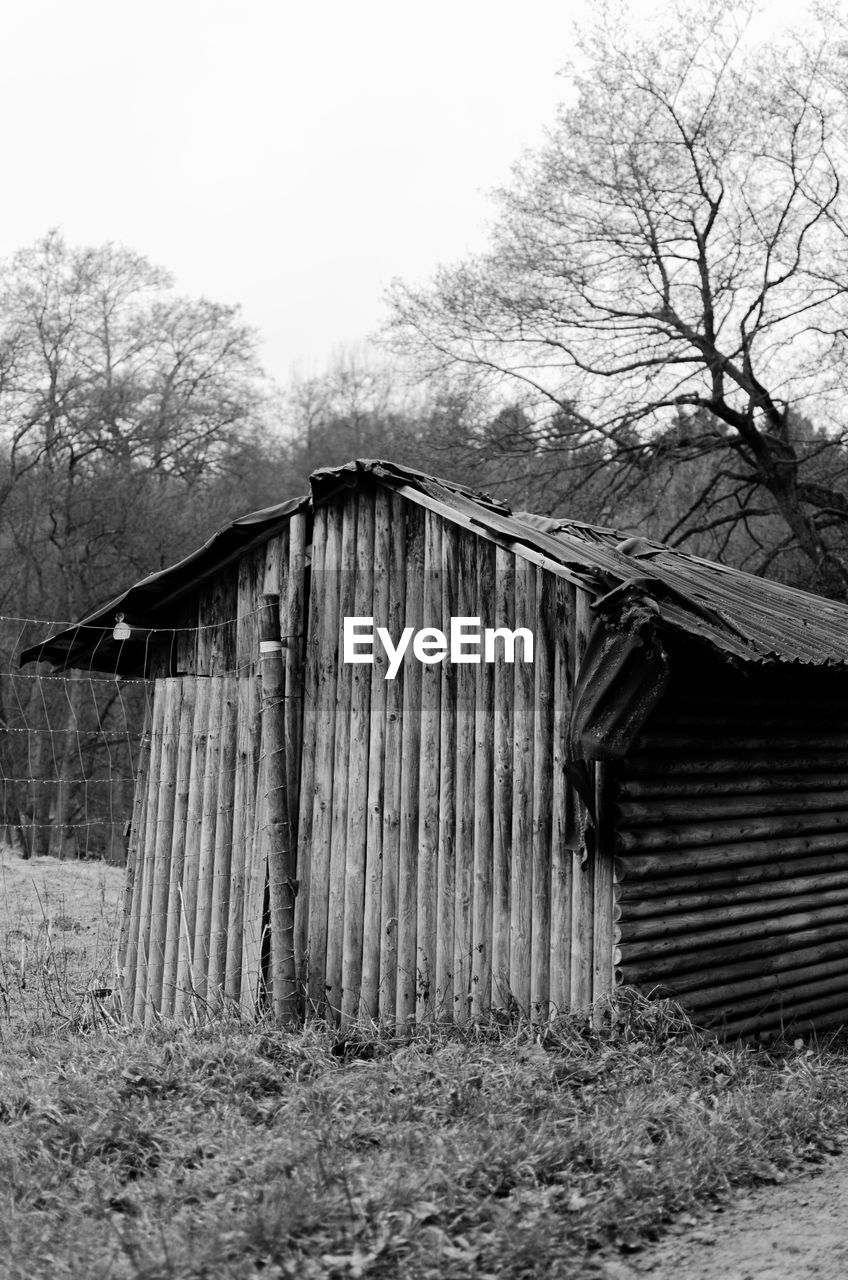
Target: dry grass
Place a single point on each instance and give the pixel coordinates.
(248, 1153)
(58, 934)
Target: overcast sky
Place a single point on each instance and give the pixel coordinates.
(290, 157)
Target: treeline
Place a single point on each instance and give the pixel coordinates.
(136, 422)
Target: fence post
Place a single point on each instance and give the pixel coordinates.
(282, 886)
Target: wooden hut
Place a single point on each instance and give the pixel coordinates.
(658, 797)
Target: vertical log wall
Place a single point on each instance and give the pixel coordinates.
(732, 853)
(196, 927)
(442, 859)
(439, 841)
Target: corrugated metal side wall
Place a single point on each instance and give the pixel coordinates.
(731, 869)
(439, 854)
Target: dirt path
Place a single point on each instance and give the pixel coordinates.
(790, 1232)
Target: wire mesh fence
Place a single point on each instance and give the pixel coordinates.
(69, 751)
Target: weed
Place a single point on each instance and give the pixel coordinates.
(500, 1148)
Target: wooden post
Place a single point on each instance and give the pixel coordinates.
(407, 980)
(357, 803)
(206, 852)
(583, 857)
(392, 775)
(216, 978)
(503, 745)
(191, 864)
(162, 850)
(311, 659)
(341, 767)
(128, 946)
(282, 886)
(370, 991)
(484, 717)
(540, 962)
(465, 744)
(446, 894)
(428, 785)
(521, 885)
(244, 795)
(295, 625)
(562, 811)
(327, 626)
(142, 932)
(174, 930)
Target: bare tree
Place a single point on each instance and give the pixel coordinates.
(677, 252)
(127, 416)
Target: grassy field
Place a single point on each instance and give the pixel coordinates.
(248, 1152)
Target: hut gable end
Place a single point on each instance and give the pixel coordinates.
(660, 797)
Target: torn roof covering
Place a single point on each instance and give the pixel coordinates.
(742, 618)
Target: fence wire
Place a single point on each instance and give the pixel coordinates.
(69, 751)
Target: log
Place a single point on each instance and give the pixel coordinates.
(175, 927)
(256, 977)
(521, 880)
(465, 743)
(220, 627)
(562, 806)
(162, 850)
(392, 771)
(206, 852)
(191, 863)
(326, 623)
(718, 975)
(128, 944)
(272, 579)
(691, 740)
(743, 913)
(762, 879)
(149, 860)
(635, 814)
(256, 954)
(294, 655)
(583, 859)
(484, 766)
(428, 781)
(357, 804)
(540, 960)
(748, 899)
(744, 853)
(282, 885)
(244, 794)
(269, 579)
(723, 785)
(653, 765)
(504, 692)
(639, 949)
(370, 989)
(216, 977)
(406, 997)
(827, 1011)
(778, 982)
(311, 665)
(787, 1003)
(341, 767)
(446, 893)
(705, 954)
(696, 834)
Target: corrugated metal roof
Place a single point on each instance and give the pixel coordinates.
(741, 617)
